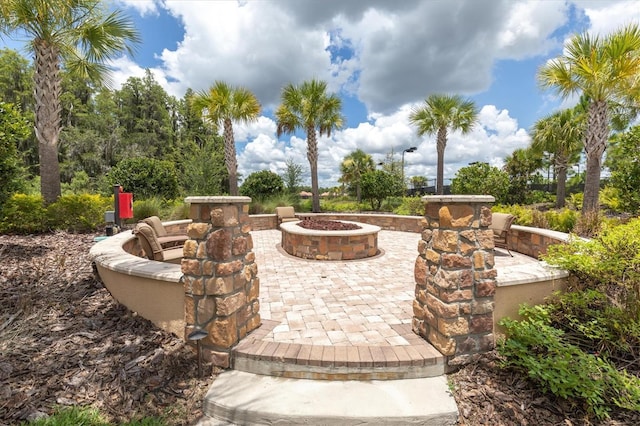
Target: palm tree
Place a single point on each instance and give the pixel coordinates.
(309, 107)
(561, 134)
(439, 114)
(223, 103)
(605, 71)
(353, 167)
(79, 34)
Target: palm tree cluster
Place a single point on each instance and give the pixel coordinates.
(79, 36)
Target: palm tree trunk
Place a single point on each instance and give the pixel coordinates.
(230, 157)
(440, 146)
(312, 156)
(597, 135)
(47, 89)
(561, 173)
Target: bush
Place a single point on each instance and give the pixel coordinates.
(524, 215)
(534, 346)
(146, 177)
(481, 178)
(563, 220)
(148, 207)
(411, 206)
(78, 213)
(262, 184)
(610, 262)
(13, 128)
(376, 186)
(23, 214)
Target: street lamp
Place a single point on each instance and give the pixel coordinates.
(412, 149)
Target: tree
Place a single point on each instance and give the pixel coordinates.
(143, 111)
(560, 134)
(262, 184)
(481, 178)
(79, 34)
(623, 161)
(418, 182)
(353, 167)
(377, 185)
(309, 107)
(146, 177)
(605, 70)
(520, 165)
(224, 104)
(292, 175)
(13, 127)
(440, 114)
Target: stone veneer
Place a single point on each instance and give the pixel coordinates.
(455, 278)
(220, 274)
(330, 245)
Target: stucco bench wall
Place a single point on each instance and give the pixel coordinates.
(150, 288)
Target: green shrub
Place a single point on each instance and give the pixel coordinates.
(23, 214)
(563, 220)
(540, 350)
(411, 206)
(78, 213)
(610, 262)
(268, 205)
(146, 207)
(146, 177)
(341, 206)
(262, 184)
(576, 200)
(524, 215)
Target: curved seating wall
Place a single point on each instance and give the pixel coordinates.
(153, 289)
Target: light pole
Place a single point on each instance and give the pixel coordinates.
(412, 149)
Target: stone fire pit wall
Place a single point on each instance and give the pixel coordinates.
(220, 279)
(455, 276)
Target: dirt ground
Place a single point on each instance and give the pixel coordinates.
(65, 341)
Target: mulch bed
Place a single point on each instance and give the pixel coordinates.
(65, 341)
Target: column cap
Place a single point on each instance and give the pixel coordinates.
(450, 199)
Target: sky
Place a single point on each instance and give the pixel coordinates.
(382, 58)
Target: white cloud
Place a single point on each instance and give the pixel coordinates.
(608, 16)
(144, 7)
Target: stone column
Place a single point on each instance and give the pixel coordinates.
(220, 279)
(455, 278)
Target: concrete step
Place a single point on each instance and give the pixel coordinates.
(241, 398)
(418, 359)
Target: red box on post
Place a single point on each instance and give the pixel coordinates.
(125, 205)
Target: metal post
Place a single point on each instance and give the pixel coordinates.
(116, 204)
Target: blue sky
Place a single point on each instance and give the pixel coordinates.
(382, 57)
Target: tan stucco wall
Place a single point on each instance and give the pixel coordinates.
(161, 302)
(509, 298)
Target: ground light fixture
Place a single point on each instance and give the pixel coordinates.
(197, 335)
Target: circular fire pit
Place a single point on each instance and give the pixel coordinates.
(330, 245)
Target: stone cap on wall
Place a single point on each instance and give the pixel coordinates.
(217, 199)
(459, 198)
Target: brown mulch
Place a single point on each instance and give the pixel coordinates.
(65, 341)
(327, 225)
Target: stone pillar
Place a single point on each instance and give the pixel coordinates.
(220, 275)
(455, 278)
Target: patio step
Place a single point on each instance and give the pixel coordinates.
(241, 398)
(418, 359)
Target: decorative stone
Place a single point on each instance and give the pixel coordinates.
(226, 306)
(219, 285)
(446, 241)
(222, 332)
(420, 271)
(482, 307)
(189, 248)
(455, 216)
(432, 256)
(486, 288)
(446, 345)
(449, 327)
(197, 231)
(455, 261)
(481, 323)
(219, 245)
(443, 310)
(228, 268)
(190, 267)
(217, 217)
